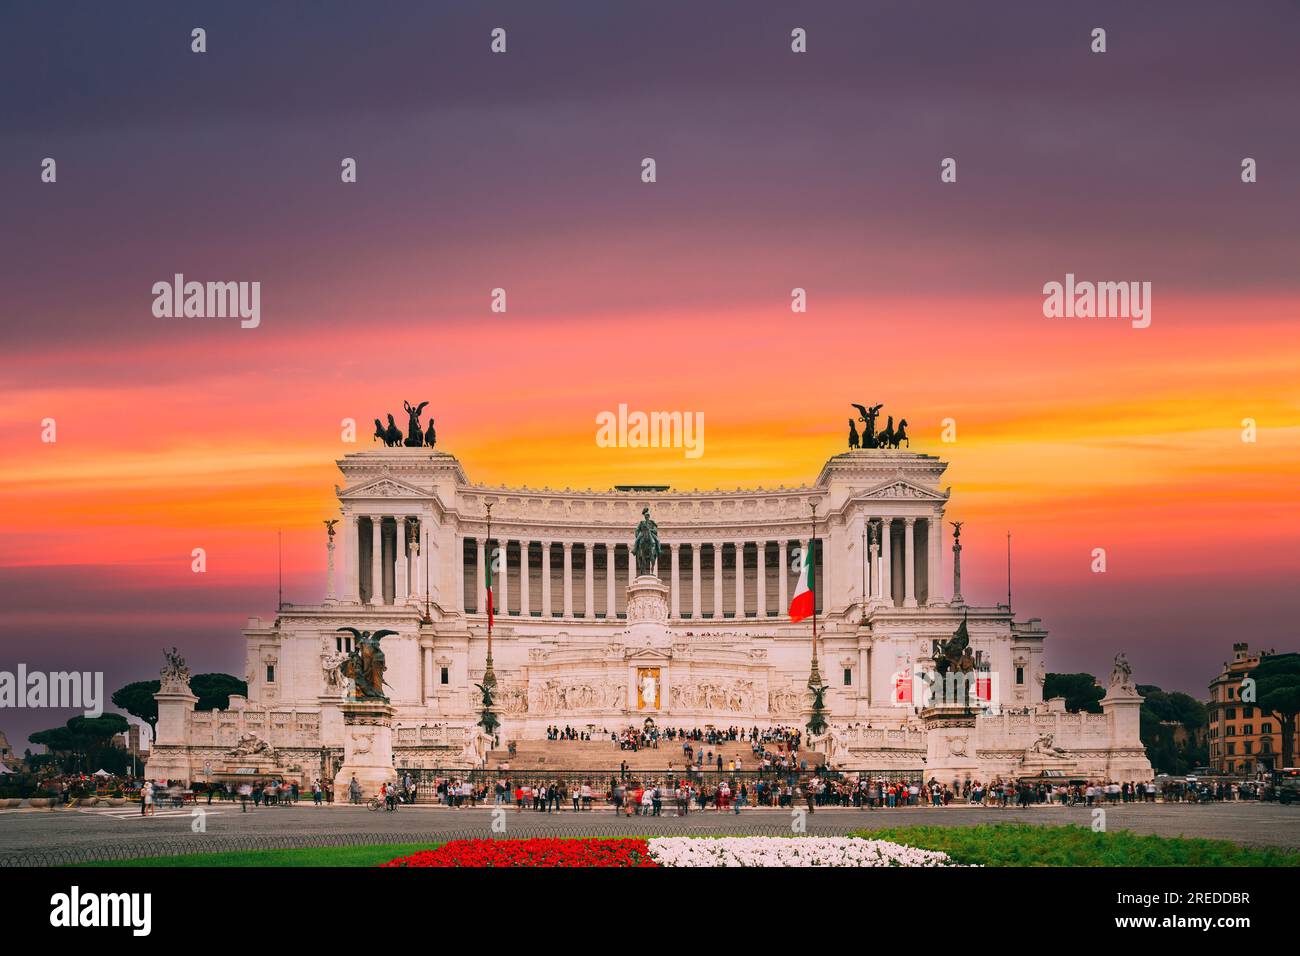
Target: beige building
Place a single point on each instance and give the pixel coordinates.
(1243, 738)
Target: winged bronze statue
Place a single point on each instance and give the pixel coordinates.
(414, 433)
(868, 419)
(365, 665)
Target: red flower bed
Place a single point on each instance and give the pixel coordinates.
(536, 852)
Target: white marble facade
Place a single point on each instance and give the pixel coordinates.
(409, 556)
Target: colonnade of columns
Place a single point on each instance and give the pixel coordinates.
(895, 555)
(761, 587)
(386, 559)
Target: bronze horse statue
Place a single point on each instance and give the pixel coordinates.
(393, 436)
(646, 546)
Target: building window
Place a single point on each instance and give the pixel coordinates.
(1232, 750)
(848, 677)
(445, 677)
(270, 673)
(1246, 731)
(1230, 714)
(1266, 728)
(1020, 675)
(1248, 747)
(1248, 711)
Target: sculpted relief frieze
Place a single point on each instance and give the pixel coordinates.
(736, 695)
(559, 696)
(784, 702)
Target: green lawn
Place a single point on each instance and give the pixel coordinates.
(308, 856)
(1023, 844)
(998, 844)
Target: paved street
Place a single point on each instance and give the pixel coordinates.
(68, 835)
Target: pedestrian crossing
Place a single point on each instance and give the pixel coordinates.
(128, 813)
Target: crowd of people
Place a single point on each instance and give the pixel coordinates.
(632, 795)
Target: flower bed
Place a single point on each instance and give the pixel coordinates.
(535, 852)
(677, 852)
(790, 851)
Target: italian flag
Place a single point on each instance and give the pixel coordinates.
(801, 605)
(489, 588)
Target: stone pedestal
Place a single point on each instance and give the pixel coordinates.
(169, 756)
(647, 605)
(950, 743)
(649, 647)
(1127, 759)
(367, 748)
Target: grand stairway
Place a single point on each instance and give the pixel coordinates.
(593, 755)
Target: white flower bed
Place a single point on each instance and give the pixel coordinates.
(790, 851)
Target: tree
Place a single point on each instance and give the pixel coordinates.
(214, 690)
(137, 700)
(89, 737)
(1081, 691)
(1162, 716)
(1277, 691)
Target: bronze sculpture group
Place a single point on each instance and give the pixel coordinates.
(416, 437)
(364, 666)
(889, 437)
(954, 656)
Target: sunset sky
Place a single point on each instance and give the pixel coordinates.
(775, 171)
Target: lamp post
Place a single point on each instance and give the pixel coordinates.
(816, 719)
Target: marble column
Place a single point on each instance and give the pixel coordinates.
(501, 577)
(909, 562)
(782, 579)
(330, 593)
(934, 560)
(376, 559)
(546, 579)
(524, 609)
(717, 580)
(568, 579)
(480, 575)
(352, 559)
(762, 579)
(886, 561)
(401, 576)
(589, 582)
(740, 580)
(675, 582)
(863, 675)
(871, 560)
(611, 595)
(697, 603)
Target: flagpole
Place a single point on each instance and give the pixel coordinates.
(814, 679)
(491, 596)
(817, 718)
(1008, 570)
(488, 720)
